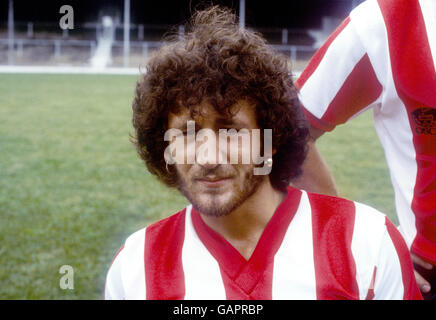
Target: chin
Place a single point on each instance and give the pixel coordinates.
(214, 204)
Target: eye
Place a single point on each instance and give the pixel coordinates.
(232, 133)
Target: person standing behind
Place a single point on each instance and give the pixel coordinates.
(382, 57)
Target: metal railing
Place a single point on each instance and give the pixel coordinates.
(28, 38)
(55, 43)
(144, 47)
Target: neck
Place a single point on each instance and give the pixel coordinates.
(244, 226)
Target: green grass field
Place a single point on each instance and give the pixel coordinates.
(72, 187)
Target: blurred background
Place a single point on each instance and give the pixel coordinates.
(122, 33)
(71, 185)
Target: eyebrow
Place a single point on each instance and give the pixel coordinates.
(221, 121)
(180, 126)
(230, 122)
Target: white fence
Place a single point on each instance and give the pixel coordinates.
(47, 45)
(59, 47)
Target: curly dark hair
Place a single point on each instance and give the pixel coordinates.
(218, 61)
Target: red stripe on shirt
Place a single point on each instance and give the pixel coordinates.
(335, 268)
(370, 294)
(317, 58)
(164, 277)
(415, 82)
(360, 89)
(411, 291)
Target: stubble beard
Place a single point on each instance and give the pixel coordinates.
(216, 207)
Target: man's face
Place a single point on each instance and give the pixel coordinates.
(213, 187)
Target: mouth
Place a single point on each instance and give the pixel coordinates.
(214, 182)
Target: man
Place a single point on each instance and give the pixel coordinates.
(246, 234)
(383, 57)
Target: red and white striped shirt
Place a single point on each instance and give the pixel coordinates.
(383, 57)
(314, 247)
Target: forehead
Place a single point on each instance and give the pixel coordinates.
(245, 116)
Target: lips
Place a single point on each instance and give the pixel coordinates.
(213, 182)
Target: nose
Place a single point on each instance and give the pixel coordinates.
(209, 166)
(207, 158)
(207, 149)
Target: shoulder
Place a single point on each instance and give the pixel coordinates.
(161, 229)
(330, 206)
(135, 242)
(340, 217)
(169, 225)
(368, 22)
(372, 15)
(341, 206)
(126, 275)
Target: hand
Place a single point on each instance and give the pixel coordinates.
(423, 284)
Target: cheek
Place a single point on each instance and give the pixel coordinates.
(245, 151)
(190, 150)
(256, 145)
(244, 173)
(183, 171)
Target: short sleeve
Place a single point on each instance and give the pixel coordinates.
(339, 82)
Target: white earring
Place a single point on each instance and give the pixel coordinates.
(269, 162)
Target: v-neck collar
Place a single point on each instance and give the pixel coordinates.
(246, 273)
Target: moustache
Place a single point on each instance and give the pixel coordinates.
(218, 172)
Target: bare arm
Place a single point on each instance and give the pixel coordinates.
(316, 176)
